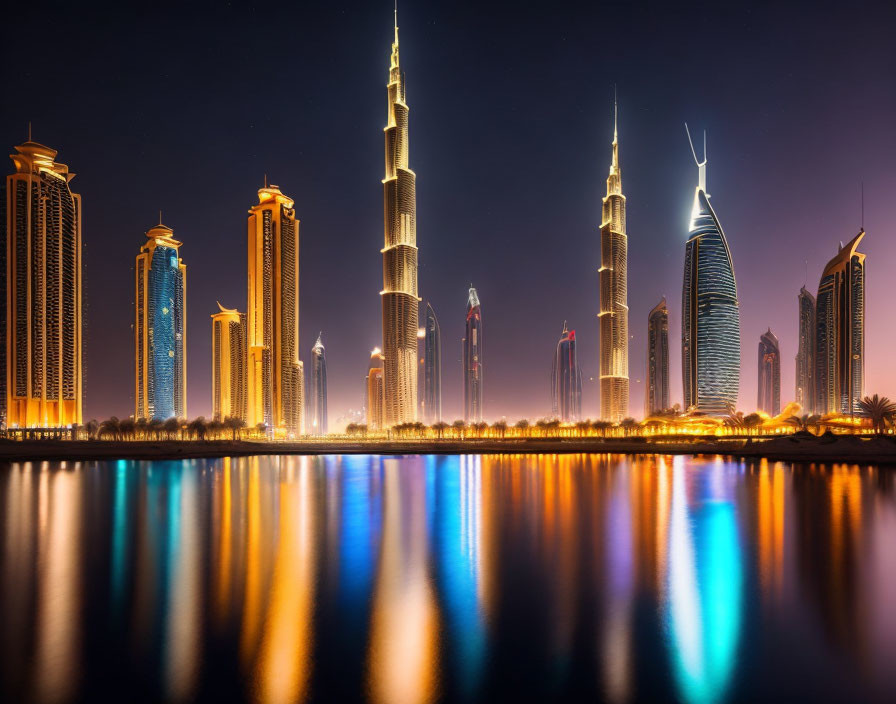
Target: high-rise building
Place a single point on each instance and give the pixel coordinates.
(657, 387)
(613, 316)
(160, 328)
(566, 379)
(229, 397)
(276, 380)
(805, 356)
(40, 282)
(375, 391)
(432, 368)
(318, 388)
(840, 332)
(399, 294)
(769, 397)
(710, 314)
(473, 360)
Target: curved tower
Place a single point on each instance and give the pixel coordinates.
(318, 388)
(473, 360)
(657, 387)
(432, 368)
(710, 315)
(613, 316)
(399, 294)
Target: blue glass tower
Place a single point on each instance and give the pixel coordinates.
(160, 328)
(710, 315)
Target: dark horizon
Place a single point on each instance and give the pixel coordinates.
(187, 110)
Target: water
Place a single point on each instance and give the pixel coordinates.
(414, 579)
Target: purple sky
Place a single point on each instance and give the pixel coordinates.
(511, 123)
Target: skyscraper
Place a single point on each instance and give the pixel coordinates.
(399, 294)
(432, 368)
(318, 388)
(566, 379)
(276, 377)
(657, 387)
(473, 360)
(375, 391)
(229, 397)
(613, 316)
(710, 315)
(805, 356)
(160, 328)
(769, 397)
(840, 332)
(40, 282)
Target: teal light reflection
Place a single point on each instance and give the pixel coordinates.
(120, 537)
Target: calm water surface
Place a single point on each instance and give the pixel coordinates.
(415, 579)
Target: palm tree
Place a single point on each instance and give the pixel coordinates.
(500, 428)
(110, 427)
(628, 426)
(261, 429)
(459, 427)
(92, 427)
(440, 429)
(170, 426)
(880, 410)
(523, 426)
(127, 428)
(803, 422)
(601, 426)
(752, 422)
(154, 428)
(197, 428)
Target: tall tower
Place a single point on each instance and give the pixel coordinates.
(399, 294)
(318, 388)
(613, 275)
(160, 328)
(473, 360)
(276, 381)
(710, 314)
(229, 397)
(840, 332)
(40, 282)
(432, 368)
(805, 356)
(769, 397)
(657, 387)
(566, 379)
(375, 391)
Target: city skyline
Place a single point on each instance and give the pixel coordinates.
(517, 313)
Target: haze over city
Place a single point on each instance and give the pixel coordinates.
(189, 111)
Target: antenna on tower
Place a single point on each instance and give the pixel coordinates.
(160, 216)
(863, 205)
(265, 180)
(701, 165)
(29, 130)
(395, 23)
(806, 278)
(615, 112)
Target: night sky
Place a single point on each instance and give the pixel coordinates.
(186, 110)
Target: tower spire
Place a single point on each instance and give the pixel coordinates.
(395, 23)
(701, 165)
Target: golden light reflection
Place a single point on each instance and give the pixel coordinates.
(770, 513)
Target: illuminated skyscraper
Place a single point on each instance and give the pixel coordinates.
(432, 368)
(160, 328)
(40, 281)
(566, 379)
(840, 332)
(769, 397)
(399, 294)
(318, 388)
(229, 397)
(275, 375)
(805, 357)
(473, 360)
(375, 391)
(613, 316)
(657, 387)
(710, 314)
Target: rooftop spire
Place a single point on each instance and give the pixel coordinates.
(396, 21)
(701, 165)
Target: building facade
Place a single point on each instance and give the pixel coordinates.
(41, 282)
(375, 391)
(319, 423)
(229, 393)
(710, 313)
(160, 328)
(804, 393)
(472, 344)
(840, 332)
(566, 379)
(769, 392)
(432, 368)
(613, 315)
(399, 294)
(275, 375)
(657, 386)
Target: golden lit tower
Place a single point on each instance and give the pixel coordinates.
(40, 278)
(613, 314)
(374, 384)
(229, 364)
(275, 375)
(160, 328)
(399, 294)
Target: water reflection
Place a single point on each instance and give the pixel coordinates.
(468, 578)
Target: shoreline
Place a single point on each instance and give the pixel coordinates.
(840, 449)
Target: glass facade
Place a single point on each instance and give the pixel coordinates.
(432, 368)
(804, 393)
(472, 344)
(318, 388)
(769, 378)
(566, 379)
(657, 388)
